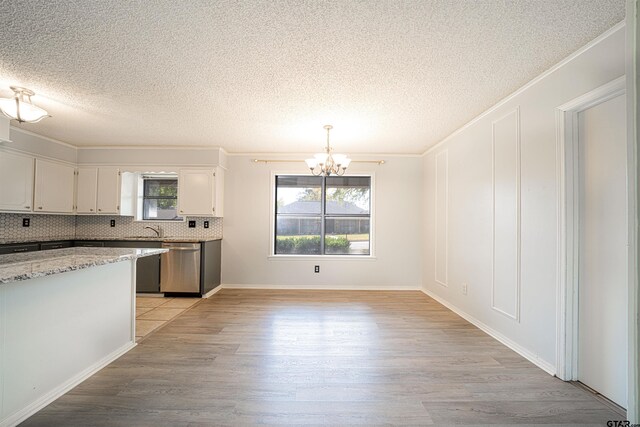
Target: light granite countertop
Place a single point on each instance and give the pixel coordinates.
(29, 265)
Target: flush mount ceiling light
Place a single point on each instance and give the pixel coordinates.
(20, 107)
(326, 164)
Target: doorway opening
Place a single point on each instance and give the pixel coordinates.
(593, 339)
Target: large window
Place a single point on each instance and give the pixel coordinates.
(160, 199)
(322, 215)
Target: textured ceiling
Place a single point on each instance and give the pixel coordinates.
(265, 76)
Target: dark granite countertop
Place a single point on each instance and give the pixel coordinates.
(122, 239)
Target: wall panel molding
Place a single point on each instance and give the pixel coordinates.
(505, 283)
(442, 219)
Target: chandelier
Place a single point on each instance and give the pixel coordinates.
(20, 107)
(326, 163)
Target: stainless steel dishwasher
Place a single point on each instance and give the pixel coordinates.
(180, 267)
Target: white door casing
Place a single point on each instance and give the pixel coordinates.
(568, 186)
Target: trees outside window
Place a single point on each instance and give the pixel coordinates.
(160, 199)
(322, 215)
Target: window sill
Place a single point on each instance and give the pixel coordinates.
(322, 257)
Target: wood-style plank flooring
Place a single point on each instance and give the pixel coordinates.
(257, 357)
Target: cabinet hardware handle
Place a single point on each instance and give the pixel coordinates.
(99, 210)
(39, 207)
(90, 210)
(27, 207)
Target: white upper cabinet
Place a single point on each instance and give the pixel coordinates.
(54, 187)
(219, 192)
(98, 191)
(108, 191)
(200, 192)
(87, 193)
(16, 182)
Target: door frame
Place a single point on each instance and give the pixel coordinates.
(632, 57)
(569, 230)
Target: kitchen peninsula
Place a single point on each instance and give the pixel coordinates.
(64, 314)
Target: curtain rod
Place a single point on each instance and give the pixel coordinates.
(377, 162)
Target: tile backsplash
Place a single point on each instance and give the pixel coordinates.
(64, 227)
(41, 227)
(99, 226)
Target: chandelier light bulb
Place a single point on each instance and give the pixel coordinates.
(325, 164)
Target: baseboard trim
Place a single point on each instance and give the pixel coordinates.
(18, 417)
(212, 291)
(321, 287)
(531, 357)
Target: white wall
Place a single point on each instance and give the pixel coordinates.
(133, 157)
(469, 213)
(397, 228)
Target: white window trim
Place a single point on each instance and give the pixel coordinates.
(272, 220)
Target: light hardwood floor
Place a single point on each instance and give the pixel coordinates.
(257, 357)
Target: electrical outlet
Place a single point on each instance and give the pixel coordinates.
(206, 224)
(317, 269)
(464, 289)
(26, 222)
(113, 222)
(192, 224)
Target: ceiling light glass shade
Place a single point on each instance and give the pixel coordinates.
(326, 164)
(321, 158)
(339, 158)
(21, 108)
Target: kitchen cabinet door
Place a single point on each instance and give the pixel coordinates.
(56, 245)
(210, 265)
(196, 192)
(16, 182)
(109, 191)
(218, 207)
(54, 188)
(87, 191)
(147, 268)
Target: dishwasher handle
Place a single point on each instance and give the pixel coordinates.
(181, 249)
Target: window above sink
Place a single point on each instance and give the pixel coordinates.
(151, 197)
(160, 199)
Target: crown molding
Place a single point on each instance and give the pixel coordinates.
(307, 154)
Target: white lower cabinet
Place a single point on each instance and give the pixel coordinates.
(16, 182)
(54, 187)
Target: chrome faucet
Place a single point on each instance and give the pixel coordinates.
(156, 230)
